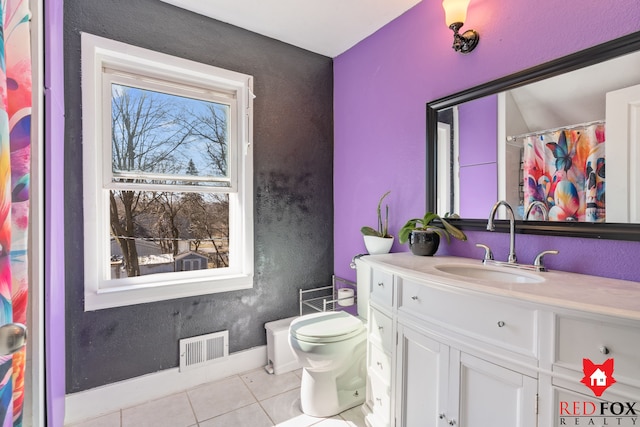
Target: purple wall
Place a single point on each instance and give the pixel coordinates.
(478, 157)
(54, 322)
(479, 131)
(381, 87)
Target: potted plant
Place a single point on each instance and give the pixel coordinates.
(423, 234)
(378, 241)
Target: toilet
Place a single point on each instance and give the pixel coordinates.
(331, 347)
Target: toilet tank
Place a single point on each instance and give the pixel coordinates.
(280, 357)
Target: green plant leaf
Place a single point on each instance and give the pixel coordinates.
(403, 235)
(382, 229)
(368, 231)
(428, 217)
(407, 228)
(454, 231)
(443, 228)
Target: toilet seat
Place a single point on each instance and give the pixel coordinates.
(326, 327)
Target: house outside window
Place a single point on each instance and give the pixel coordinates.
(191, 264)
(167, 175)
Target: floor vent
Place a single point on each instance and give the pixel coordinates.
(204, 349)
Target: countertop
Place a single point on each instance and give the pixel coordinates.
(600, 295)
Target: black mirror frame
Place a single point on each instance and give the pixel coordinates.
(590, 56)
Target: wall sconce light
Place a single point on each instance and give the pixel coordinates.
(455, 15)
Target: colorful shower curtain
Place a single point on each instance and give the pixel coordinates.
(15, 153)
(565, 170)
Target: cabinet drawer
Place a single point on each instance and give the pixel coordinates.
(579, 338)
(381, 329)
(484, 318)
(380, 397)
(380, 362)
(382, 288)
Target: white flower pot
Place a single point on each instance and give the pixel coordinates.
(378, 245)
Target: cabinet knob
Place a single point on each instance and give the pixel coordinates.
(381, 284)
(604, 350)
(442, 416)
(380, 328)
(452, 422)
(415, 297)
(500, 324)
(380, 365)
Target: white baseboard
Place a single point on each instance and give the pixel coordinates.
(102, 400)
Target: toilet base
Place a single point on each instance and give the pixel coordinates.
(323, 394)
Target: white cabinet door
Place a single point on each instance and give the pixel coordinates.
(422, 376)
(489, 394)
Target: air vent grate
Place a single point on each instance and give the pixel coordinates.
(203, 349)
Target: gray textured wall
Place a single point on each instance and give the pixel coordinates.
(293, 149)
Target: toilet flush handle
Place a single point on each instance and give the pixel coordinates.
(13, 336)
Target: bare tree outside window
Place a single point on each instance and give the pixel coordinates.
(159, 138)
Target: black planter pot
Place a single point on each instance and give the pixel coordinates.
(424, 242)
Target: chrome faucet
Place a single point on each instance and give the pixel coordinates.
(512, 228)
(538, 263)
(543, 209)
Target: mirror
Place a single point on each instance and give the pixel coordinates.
(506, 131)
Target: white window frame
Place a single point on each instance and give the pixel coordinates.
(105, 61)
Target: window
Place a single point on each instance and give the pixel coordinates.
(168, 197)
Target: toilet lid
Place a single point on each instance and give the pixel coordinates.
(329, 326)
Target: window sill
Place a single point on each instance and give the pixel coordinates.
(118, 297)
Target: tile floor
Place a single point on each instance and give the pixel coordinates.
(252, 399)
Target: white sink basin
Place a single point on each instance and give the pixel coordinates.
(484, 272)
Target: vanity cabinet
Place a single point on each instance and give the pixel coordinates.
(453, 359)
(489, 394)
(423, 374)
(597, 338)
(451, 352)
(440, 385)
(496, 323)
(380, 347)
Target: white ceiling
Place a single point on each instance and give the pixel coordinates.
(330, 27)
(327, 27)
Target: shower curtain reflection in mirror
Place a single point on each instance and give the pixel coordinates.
(564, 170)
